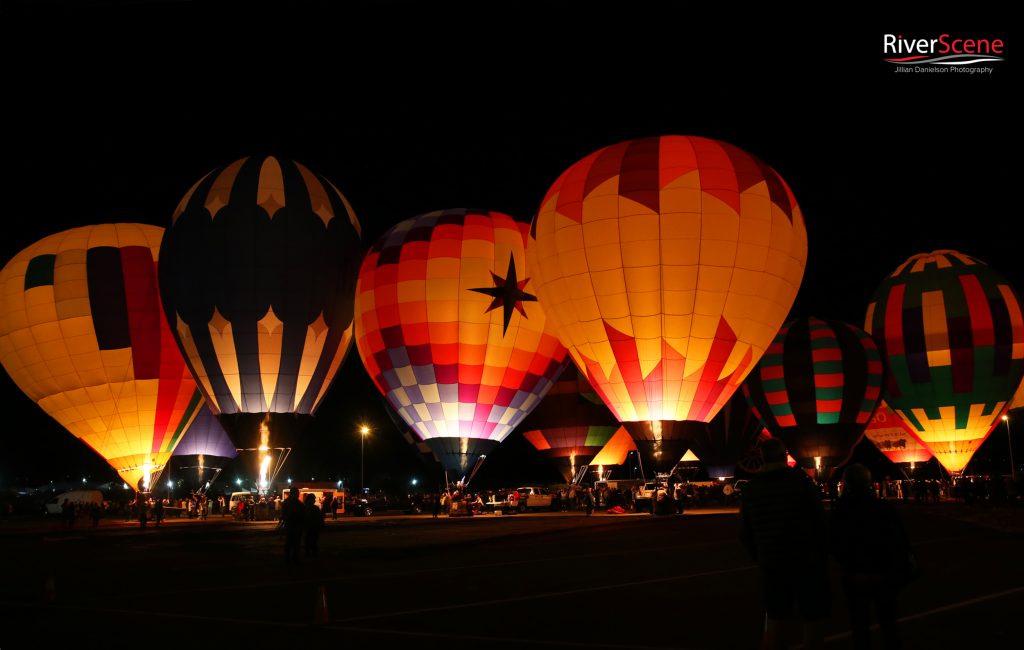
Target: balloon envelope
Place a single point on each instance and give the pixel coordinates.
(450, 333)
(83, 335)
(816, 388)
(666, 265)
(951, 331)
(570, 425)
(206, 437)
(893, 437)
(730, 436)
(257, 281)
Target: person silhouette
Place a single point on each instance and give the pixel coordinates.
(782, 525)
(293, 518)
(313, 521)
(870, 543)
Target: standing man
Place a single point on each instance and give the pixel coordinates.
(783, 528)
(293, 517)
(158, 512)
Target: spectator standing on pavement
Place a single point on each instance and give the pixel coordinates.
(313, 521)
(293, 518)
(158, 512)
(588, 497)
(869, 542)
(783, 528)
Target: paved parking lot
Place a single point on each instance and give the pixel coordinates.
(544, 580)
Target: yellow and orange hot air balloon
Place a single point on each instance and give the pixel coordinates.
(82, 333)
(666, 266)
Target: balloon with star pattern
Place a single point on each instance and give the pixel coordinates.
(451, 333)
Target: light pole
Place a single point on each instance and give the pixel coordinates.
(363, 430)
(1009, 438)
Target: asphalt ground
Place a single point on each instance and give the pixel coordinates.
(546, 580)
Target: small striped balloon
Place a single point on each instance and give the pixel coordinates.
(816, 388)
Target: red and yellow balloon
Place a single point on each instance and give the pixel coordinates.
(666, 265)
(82, 333)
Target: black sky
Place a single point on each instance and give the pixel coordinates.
(113, 110)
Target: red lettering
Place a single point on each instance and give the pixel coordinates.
(945, 44)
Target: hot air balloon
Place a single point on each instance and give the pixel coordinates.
(950, 328)
(204, 450)
(83, 335)
(666, 265)
(570, 425)
(257, 278)
(614, 452)
(730, 436)
(450, 333)
(816, 388)
(891, 435)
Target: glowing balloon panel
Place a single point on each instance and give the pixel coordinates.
(891, 435)
(570, 421)
(257, 277)
(448, 329)
(83, 335)
(951, 330)
(206, 437)
(666, 266)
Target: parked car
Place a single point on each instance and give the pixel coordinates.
(365, 505)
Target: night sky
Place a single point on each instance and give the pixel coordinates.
(113, 111)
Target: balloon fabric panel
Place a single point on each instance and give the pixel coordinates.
(893, 437)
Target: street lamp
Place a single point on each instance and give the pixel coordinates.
(1009, 438)
(363, 430)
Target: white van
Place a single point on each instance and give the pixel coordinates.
(76, 497)
(238, 497)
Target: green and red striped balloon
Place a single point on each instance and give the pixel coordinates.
(816, 388)
(951, 331)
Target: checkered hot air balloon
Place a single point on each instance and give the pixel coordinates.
(82, 333)
(950, 328)
(570, 425)
(257, 278)
(666, 265)
(816, 388)
(449, 331)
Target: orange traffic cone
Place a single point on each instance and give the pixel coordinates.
(50, 590)
(320, 615)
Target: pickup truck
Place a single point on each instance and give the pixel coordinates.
(533, 498)
(645, 495)
(520, 500)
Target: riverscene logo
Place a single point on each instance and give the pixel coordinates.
(943, 53)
